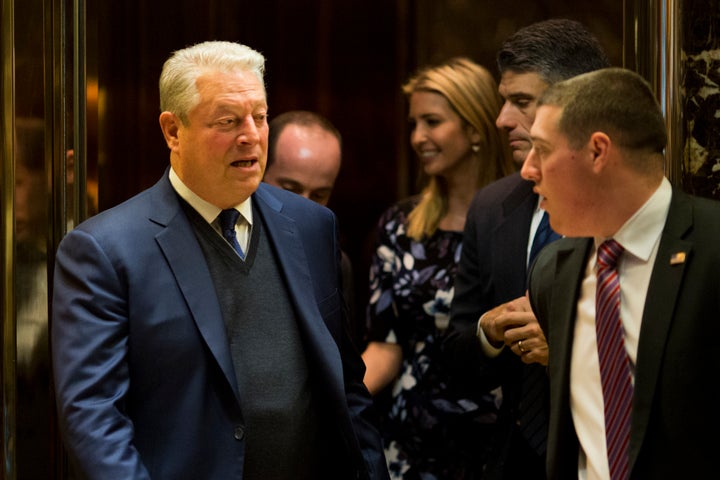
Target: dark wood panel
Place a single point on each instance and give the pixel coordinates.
(345, 59)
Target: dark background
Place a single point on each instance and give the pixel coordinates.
(345, 59)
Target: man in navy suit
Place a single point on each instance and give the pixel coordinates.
(598, 162)
(184, 349)
(489, 311)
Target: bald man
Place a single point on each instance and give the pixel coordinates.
(304, 157)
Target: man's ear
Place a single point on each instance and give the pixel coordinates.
(599, 146)
(170, 124)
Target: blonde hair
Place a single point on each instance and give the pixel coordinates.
(472, 92)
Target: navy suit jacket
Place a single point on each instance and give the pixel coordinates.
(492, 271)
(144, 377)
(674, 408)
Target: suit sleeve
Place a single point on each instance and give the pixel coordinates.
(360, 403)
(355, 413)
(540, 276)
(461, 348)
(89, 351)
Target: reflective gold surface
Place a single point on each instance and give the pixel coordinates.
(651, 47)
(7, 180)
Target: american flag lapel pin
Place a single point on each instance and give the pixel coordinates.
(677, 258)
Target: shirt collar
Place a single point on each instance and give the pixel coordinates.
(207, 210)
(641, 232)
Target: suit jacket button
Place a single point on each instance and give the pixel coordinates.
(239, 433)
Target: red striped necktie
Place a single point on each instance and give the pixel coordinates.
(614, 362)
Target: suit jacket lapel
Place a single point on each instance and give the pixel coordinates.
(566, 279)
(283, 234)
(512, 234)
(186, 260)
(665, 283)
(571, 261)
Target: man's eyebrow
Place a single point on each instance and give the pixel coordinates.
(519, 96)
(537, 140)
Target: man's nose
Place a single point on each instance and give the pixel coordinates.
(530, 169)
(504, 118)
(248, 131)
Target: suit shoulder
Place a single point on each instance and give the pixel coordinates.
(135, 208)
(707, 206)
(496, 192)
(292, 204)
(693, 217)
(562, 246)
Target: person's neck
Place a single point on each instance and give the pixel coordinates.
(626, 199)
(460, 194)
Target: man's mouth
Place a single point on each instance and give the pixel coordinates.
(517, 142)
(242, 163)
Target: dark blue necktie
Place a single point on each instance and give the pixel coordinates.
(543, 236)
(228, 218)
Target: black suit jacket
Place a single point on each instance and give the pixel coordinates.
(674, 413)
(492, 271)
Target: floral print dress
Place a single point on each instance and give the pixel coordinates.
(430, 431)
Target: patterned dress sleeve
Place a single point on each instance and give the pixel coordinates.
(385, 261)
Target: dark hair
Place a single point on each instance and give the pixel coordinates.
(616, 101)
(555, 49)
(304, 118)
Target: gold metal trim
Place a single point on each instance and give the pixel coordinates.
(7, 127)
(651, 47)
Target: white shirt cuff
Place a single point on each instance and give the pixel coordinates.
(488, 349)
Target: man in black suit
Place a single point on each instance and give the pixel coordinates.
(489, 311)
(598, 161)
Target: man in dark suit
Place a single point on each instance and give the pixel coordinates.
(598, 161)
(185, 347)
(489, 311)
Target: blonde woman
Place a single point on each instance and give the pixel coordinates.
(431, 431)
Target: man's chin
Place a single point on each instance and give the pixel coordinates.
(519, 157)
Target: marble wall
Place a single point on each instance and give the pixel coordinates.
(700, 87)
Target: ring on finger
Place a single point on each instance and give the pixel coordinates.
(521, 348)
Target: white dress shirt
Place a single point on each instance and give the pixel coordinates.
(640, 237)
(210, 212)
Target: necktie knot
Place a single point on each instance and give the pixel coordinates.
(227, 219)
(608, 253)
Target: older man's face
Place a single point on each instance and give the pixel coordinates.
(220, 154)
